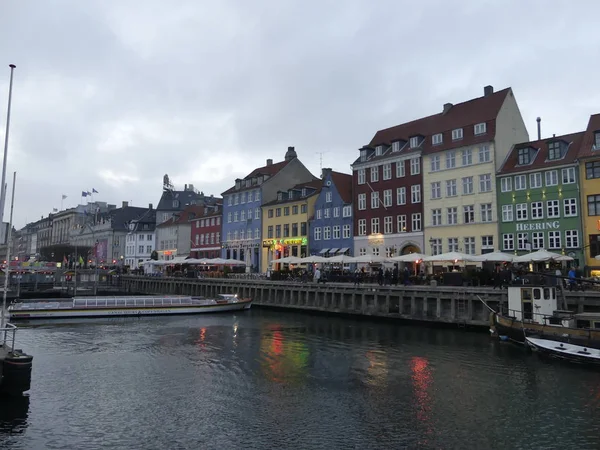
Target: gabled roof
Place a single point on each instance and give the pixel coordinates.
(314, 186)
(540, 157)
(462, 115)
(186, 197)
(588, 140)
(183, 217)
(343, 184)
(270, 170)
(211, 213)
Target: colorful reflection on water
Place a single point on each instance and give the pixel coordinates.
(285, 358)
(421, 380)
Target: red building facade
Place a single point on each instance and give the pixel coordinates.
(206, 233)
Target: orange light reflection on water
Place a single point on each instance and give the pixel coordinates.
(422, 379)
(283, 360)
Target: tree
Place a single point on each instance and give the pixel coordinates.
(154, 255)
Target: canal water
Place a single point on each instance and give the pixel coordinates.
(264, 379)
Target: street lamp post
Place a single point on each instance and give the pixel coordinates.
(3, 186)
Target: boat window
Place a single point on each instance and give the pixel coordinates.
(537, 294)
(526, 294)
(547, 294)
(110, 302)
(121, 302)
(583, 324)
(596, 324)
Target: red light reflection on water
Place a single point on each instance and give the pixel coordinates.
(200, 341)
(277, 343)
(421, 378)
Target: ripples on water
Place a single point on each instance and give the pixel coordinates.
(263, 379)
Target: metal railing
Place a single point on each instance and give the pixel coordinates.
(6, 331)
(129, 301)
(534, 317)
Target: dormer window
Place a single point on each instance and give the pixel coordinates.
(237, 184)
(437, 139)
(554, 150)
(363, 155)
(480, 128)
(290, 193)
(414, 142)
(175, 203)
(524, 156)
(303, 192)
(379, 150)
(396, 146)
(457, 134)
(597, 140)
(248, 183)
(279, 196)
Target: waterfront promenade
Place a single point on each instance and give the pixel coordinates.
(442, 304)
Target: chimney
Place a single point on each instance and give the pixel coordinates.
(447, 107)
(290, 154)
(324, 171)
(125, 204)
(185, 187)
(488, 90)
(269, 162)
(191, 187)
(539, 121)
(150, 206)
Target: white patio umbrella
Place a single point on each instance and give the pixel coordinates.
(370, 259)
(450, 257)
(287, 260)
(495, 257)
(312, 260)
(341, 259)
(542, 255)
(411, 257)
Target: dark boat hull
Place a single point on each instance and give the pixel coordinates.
(15, 378)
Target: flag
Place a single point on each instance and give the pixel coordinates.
(54, 210)
(88, 193)
(84, 194)
(64, 196)
(94, 191)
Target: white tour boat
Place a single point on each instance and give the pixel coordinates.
(126, 306)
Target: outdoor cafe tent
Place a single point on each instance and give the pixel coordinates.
(542, 255)
(450, 257)
(287, 260)
(370, 259)
(411, 257)
(495, 257)
(341, 259)
(313, 259)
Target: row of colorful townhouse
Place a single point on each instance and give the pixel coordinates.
(466, 179)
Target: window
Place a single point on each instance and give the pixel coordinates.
(318, 214)
(302, 229)
(270, 213)
(467, 157)
(387, 198)
(401, 221)
(436, 190)
(235, 216)
(452, 215)
(243, 198)
(520, 183)
(416, 222)
(507, 213)
(450, 160)
(379, 150)
(469, 214)
(388, 225)
(597, 145)
(236, 199)
(374, 174)
(593, 202)
(537, 210)
(286, 230)
(436, 217)
(401, 196)
(523, 241)
(437, 139)
(362, 251)
(336, 211)
(414, 142)
(400, 169)
(375, 225)
(551, 178)
(480, 128)
(346, 232)
(487, 242)
(374, 200)
(347, 211)
(229, 200)
(457, 134)
(303, 208)
(286, 211)
(257, 196)
(570, 207)
(229, 216)
(337, 231)
(242, 215)
(485, 182)
(554, 239)
(436, 246)
(294, 211)
(484, 154)
(535, 180)
(361, 176)
(435, 163)
(328, 197)
(506, 184)
(470, 245)
(467, 183)
(486, 212)
(277, 212)
(554, 151)
(592, 170)
(537, 240)
(508, 241)
(363, 155)
(326, 233)
(415, 166)
(362, 227)
(571, 238)
(387, 171)
(396, 146)
(522, 211)
(326, 213)
(451, 188)
(452, 244)
(568, 175)
(362, 202)
(415, 193)
(277, 231)
(552, 209)
(524, 156)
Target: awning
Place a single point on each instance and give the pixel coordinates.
(343, 250)
(325, 250)
(333, 250)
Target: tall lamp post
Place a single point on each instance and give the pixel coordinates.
(3, 186)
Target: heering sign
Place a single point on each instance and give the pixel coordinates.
(538, 226)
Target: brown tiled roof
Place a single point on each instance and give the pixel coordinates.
(212, 213)
(265, 170)
(462, 115)
(540, 160)
(184, 216)
(314, 184)
(343, 184)
(588, 140)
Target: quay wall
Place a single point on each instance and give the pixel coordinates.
(441, 304)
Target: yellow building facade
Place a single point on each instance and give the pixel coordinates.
(285, 228)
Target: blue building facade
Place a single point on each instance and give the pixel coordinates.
(331, 228)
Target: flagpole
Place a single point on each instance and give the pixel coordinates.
(3, 187)
(62, 199)
(7, 271)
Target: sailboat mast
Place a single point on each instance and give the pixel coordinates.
(8, 242)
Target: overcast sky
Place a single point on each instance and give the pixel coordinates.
(112, 95)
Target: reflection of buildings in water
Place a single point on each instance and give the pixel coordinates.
(377, 369)
(421, 380)
(13, 414)
(283, 360)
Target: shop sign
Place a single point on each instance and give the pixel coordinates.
(555, 225)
